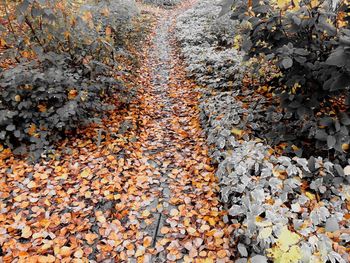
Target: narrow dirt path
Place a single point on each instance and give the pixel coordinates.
(183, 215)
(125, 194)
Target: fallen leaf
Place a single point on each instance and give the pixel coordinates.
(85, 173)
(147, 241)
(90, 238)
(174, 212)
(164, 230)
(26, 232)
(222, 254)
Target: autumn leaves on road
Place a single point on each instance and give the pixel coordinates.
(148, 195)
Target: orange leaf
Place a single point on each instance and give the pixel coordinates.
(72, 94)
(65, 251)
(222, 253)
(147, 241)
(108, 31)
(32, 129)
(90, 238)
(164, 230)
(42, 108)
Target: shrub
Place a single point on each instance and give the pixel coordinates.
(66, 63)
(310, 42)
(40, 100)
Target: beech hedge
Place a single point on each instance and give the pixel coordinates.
(63, 63)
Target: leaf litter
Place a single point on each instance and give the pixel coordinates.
(101, 195)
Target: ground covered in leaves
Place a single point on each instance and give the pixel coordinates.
(285, 208)
(137, 188)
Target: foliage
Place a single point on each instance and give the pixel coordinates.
(98, 202)
(204, 38)
(283, 209)
(63, 64)
(42, 99)
(43, 26)
(286, 249)
(310, 44)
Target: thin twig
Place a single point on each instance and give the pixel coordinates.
(33, 31)
(9, 20)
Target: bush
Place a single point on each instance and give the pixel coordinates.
(42, 99)
(204, 37)
(66, 63)
(310, 44)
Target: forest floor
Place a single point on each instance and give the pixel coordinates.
(144, 194)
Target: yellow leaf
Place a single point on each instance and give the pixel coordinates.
(186, 221)
(191, 230)
(295, 148)
(37, 235)
(31, 185)
(283, 3)
(45, 222)
(2, 42)
(279, 256)
(87, 17)
(79, 253)
(101, 219)
(345, 147)
(211, 221)
(286, 249)
(237, 132)
(26, 232)
(47, 202)
(140, 251)
(85, 173)
(287, 238)
(310, 196)
(237, 41)
(146, 213)
(314, 3)
(204, 228)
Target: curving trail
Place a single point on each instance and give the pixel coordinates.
(187, 224)
(124, 194)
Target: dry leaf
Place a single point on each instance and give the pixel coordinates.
(26, 232)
